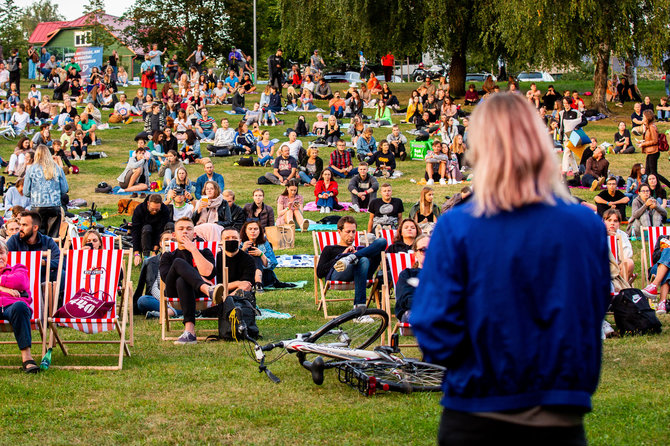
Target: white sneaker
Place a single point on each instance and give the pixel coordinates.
(322, 210)
(364, 320)
(355, 208)
(457, 182)
(442, 182)
(344, 262)
(430, 182)
(328, 210)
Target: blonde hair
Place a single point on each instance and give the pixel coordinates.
(44, 159)
(424, 207)
(511, 151)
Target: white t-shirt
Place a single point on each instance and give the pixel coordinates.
(4, 76)
(35, 94)
(218, 92)
(224, 137)
(294, 148)
(21, 120)
(122, 108)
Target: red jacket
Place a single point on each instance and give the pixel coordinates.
(321, 188)
(16, 278)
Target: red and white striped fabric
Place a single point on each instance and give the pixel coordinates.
(31, 260)
(397, 262)
(107, 242)
(650, 235)
(212, 246)
(389, 235)
(614, 246)
(97, 271)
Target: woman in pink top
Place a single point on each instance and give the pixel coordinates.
(290, 205)
(15, 302)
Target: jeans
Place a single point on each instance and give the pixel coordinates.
(651, 166)
(51, 219)
(31, 69)
(461, 428)
(326, 202)
(18, 314)
(667, 84)
(167, 177)
(205, 134)
(663, 114)
(369, 259)
(159, 73)
(269, 114)
(338, 112)
(265, 158)
(351, 173)
(305, 178)
(148, 303)
(239, 111)
(184, 281)
(588, 179)
(149, 90)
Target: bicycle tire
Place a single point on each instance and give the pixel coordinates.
(358, 335)
(369, 377)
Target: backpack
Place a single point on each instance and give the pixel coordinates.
(662, 142)
(230, 327)
(632, 313)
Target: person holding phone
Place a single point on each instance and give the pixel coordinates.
(290, 206)
(259, 248)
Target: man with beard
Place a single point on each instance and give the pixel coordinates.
(30, 239)
(149, 221)
(187, 272)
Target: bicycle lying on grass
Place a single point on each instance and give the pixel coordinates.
(344, 339)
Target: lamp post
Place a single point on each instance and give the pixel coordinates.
(255, 55)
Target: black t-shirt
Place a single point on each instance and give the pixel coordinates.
(549, 100)
(398, 247)
(241, 267)
(72, 112)
(646, 107)
(659, 192)
(618, 137)
(168, 258)
(605, 195)
(379, 208)
(383, 159)
(285, 165)
(635, 116)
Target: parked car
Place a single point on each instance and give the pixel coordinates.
(535, 76)
(478, 77)
(342, 77)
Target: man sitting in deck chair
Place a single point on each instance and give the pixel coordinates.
(184, 271)
(343, 262)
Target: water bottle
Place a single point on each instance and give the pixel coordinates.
(46, 360)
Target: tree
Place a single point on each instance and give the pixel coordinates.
(100, 35)
(181, 26)
(551, 32)
(41, 11)
(10, 34)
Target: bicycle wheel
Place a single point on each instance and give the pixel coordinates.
(348, 331)
(407, 376)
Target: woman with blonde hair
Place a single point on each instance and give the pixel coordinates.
(211, 214)
(91, 240)
(502, 273)
(46, 186)
(425, 212)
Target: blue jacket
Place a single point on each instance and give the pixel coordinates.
(202, 179)
(513, 304)
(44, 193)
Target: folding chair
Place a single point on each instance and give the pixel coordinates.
(616, 247)
(38, 292)
(108, 242)
(321, 239)
(200, 302)
(388, 234)
(649, 235)
(96, 271)
(395, 263)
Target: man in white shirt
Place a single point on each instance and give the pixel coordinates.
(294, 144)
(122, 110)
(219, 93)
(20, 119)
(224, 140)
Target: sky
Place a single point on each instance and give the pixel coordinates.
(74, 9)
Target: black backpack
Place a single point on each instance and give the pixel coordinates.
(633, 315)
(231, 326)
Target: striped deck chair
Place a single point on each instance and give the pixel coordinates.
(394, 265)
(616, 248)
(38, 292)
(649, 236)
(201, 302)
(108, 242)
(321, 239)
(388, 234)
(96, 271)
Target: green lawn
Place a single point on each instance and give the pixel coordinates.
(213, 393)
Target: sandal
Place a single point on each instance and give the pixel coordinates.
(28, 369)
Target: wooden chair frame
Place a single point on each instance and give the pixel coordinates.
(204, 303)
(55, 337)
(39, 324)
(322, 286)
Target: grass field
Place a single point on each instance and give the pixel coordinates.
(213, 393)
